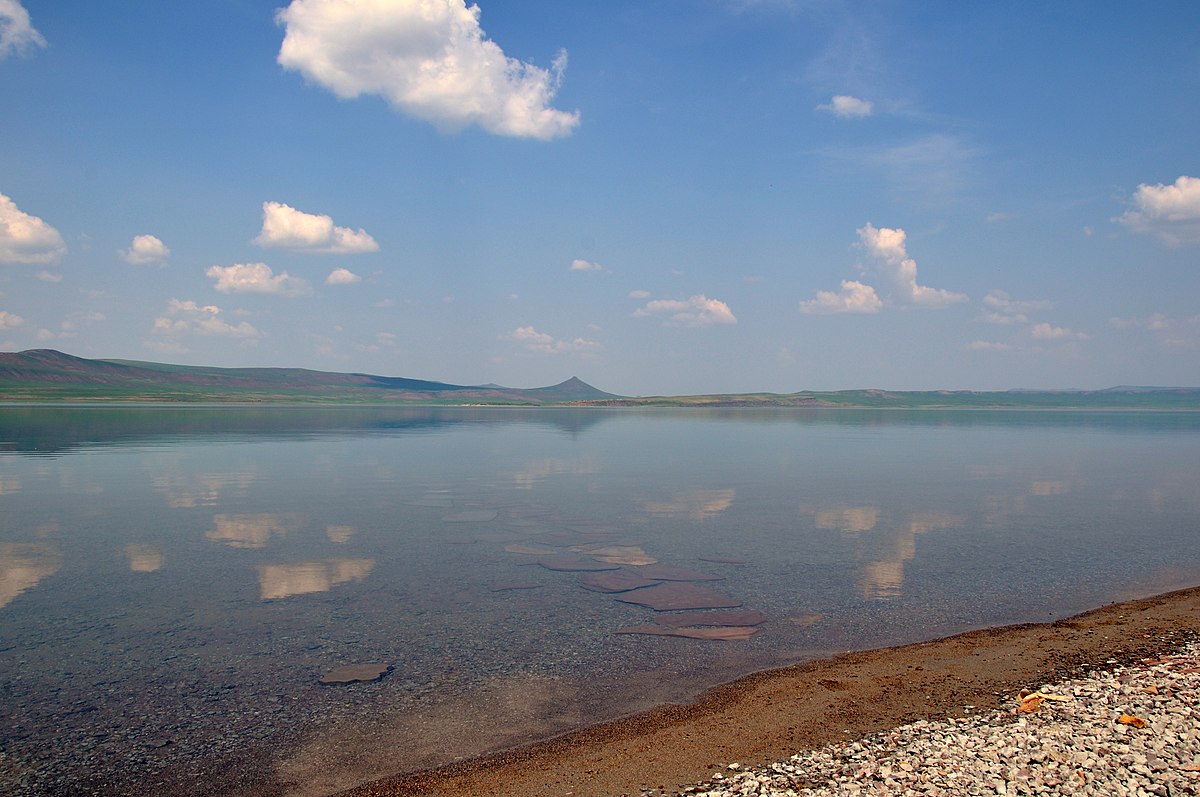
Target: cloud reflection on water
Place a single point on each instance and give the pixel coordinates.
(143, 558)
(300, 578)
(250, 530)
(23, 566)
(693, 504)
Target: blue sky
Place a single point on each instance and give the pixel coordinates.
(666, 197)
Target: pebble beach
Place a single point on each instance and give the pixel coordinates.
(1128, 730)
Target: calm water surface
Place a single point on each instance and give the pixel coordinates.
(174, 581)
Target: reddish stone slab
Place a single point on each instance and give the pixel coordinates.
(685, 619)
(571, 564)
(614, 581)
(672, 596)
(722, 633)
(671, 573)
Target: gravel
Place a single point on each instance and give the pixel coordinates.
(1128, 731)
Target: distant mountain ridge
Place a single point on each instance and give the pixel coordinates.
(38, 374)
(49, 375)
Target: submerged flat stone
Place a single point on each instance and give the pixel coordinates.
(355, 673)
(674, 595)
(503, 586)
(614, 581)
(744, 617)
(471, 516)
(672, 573)
(534, 550)
(571, 564)
(720, 633)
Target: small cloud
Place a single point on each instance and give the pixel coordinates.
(1175, 333)
(996, 218)
(429, 60)
(847, 107)
(1170, 212)
(48, 276)
(145, 250)
(533, 340)
(257, 278)
(10, 320)
(188, 317)
(854, 297)
(17, 34)
(284, 227)
(696, 311)
(342, 276)
(639, 294)
(25, 238)
(1045, 331)
(586, 265)
(1003, 309)
(887, 247)
(987, 345)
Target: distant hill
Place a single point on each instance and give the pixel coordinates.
(46, 374)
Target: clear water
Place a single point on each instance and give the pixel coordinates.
(174, 581)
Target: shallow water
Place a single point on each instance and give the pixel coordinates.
(174, 581)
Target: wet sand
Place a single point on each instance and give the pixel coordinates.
(771, 715)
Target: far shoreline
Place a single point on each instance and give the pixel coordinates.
(770, 715)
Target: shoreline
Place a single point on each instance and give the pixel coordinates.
(771, 715)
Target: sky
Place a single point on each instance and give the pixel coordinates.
(680, 196)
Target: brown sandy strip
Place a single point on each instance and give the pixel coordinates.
(771, 715)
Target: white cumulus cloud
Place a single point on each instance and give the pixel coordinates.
(25, 238)
(342, 276)
(17, 33)
(429, 59)
(887, 247)
(10, 320)
(1171, 212)
(585, 265)
(1044, 331)
(284, 227)
(257, 278)
(533, 340)
(184, 317)
(848, 107)
(695, 311)
(854, 297)
(145, 250)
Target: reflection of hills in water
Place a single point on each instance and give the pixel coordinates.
(51, 430)
(56, 429)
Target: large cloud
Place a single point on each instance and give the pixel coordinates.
(17, 35)
(887, 247)
(1172, 212)
(257, 278)
(695, 311)
(285, 227)
(854, 297)
(429, 59)
(533, 340)
(25, 238)
(145, 250)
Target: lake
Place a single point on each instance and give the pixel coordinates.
(174, 581)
